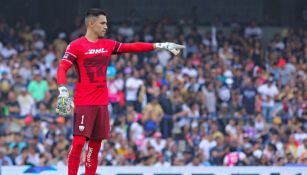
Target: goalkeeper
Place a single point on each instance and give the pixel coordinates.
(90, 55)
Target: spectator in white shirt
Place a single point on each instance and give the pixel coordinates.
(8, 51)
(158, 143)
(231, 127)
(126, 31)
(253, 31)
(132, 86)
(268, 92)
(189, 70)
(161, 162)
(226, 53)
(26, 103)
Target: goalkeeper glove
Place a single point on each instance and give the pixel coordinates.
(64, 103)
(172, 47)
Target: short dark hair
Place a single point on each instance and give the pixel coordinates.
(93, 12)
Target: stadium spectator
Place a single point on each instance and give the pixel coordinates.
(38, 87)
(222, 88)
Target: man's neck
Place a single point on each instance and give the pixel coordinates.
(90, 36)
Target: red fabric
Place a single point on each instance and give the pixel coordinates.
(135, 47)
(91, 60)
(61, 74)
(158, 84)
(92, 122)
(75, 154)
(281, 62)
(121, 98)
(91, 159)
(233, 158)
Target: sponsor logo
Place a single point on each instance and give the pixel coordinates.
(88, 157)
(95, 51)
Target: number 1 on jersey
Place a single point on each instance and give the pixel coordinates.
(82, 119)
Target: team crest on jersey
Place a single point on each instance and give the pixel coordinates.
(81, 128)
(65, 55)
(95, 51)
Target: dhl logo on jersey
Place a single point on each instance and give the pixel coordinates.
(95, 51)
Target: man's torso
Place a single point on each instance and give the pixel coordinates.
(91, 63)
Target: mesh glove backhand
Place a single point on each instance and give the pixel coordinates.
(64, 103)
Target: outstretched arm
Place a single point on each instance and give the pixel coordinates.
(147, 47)
(133, 47)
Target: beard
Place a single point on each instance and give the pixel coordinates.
(100, 34)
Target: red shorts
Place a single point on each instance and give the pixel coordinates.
(92, 122)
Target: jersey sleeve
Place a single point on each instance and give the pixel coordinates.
(71, 53)
(70, 56)
(132, 47)
(116, 47)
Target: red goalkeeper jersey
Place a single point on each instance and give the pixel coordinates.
(90, 60)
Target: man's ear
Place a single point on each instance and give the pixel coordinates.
(91, 22)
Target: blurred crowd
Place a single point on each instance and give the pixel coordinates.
(228, 99)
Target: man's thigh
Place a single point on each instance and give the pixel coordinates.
(101, 129)
(84, 120)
